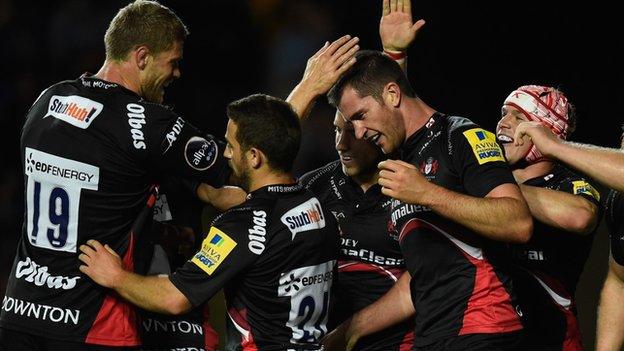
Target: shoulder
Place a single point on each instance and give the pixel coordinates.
(318, 178)
(577, 184)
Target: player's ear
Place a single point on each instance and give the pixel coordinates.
(255, 158)
(392, 94)
(141, 56)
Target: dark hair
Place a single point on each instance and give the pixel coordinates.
(270, 125)
(146, 23)
(369, 75)
(572, 118)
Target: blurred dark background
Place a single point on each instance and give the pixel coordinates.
(467, 59)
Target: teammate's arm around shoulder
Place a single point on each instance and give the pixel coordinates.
(561, 209)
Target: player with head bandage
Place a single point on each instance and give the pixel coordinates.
(565, 207)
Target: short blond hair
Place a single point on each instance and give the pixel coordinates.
(143, 22)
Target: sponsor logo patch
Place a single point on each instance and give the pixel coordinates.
(75, 110)
(38, 275)
(307, 216)
(200, 153)
(136, 120)
(484, 145)
(582, 187)
(42, 312)
(215, 248)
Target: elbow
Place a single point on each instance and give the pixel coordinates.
(523, 229)
(177, 306)
(583, 222)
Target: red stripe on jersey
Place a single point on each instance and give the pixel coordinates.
(211, 337)
(239, 318)
(564, 302)
(117, 322)
(355, 266)
(489, 308)
(408, 341)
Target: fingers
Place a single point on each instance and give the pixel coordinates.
(407, 6)
(417, 26)
(393, 5)
(338, 43)
(391, 165)
(386, 7)
(111, 250)
(347, 47)
(400, 6)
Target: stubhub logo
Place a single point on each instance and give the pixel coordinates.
(75, 110)
(307, 216)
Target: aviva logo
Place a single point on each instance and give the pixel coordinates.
(215, 248)
(484, 145)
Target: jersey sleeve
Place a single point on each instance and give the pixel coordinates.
(614, 210)
(577, 185)
(222, 256)
(478, 159)
(176, 147)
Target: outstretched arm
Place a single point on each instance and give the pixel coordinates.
(397, 31)
(602, 164)
(322, 71)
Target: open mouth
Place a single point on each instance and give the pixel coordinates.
(345, 158)
(374, 138)
(504, 139)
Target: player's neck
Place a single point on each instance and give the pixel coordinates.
(532, 171)
(366, 180)
(266, 178)
(415, 113)
(120, 73)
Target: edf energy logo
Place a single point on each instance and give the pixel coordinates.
(484, 145)
(215, 248)
(75, 110)
(307, 216)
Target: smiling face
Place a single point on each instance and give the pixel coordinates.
(373, 121)
(505, 129)
(160, 70)
(357, 156)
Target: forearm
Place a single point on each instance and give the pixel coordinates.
(560, 209)
(610, 325)
(602, 164)
(394, 307)
(498, 218)
(302, 99)
(222, 198)
(152, 293)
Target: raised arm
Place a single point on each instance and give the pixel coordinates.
(397, 31)
(322, 71)
(602, 164)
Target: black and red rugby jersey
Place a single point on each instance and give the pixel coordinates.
(91, 151)
(460, 282)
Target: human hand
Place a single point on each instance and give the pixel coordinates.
(101, 263)
(328, 64)
(338, 340)
(403, 181)
(396, 30)
(540, 135)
